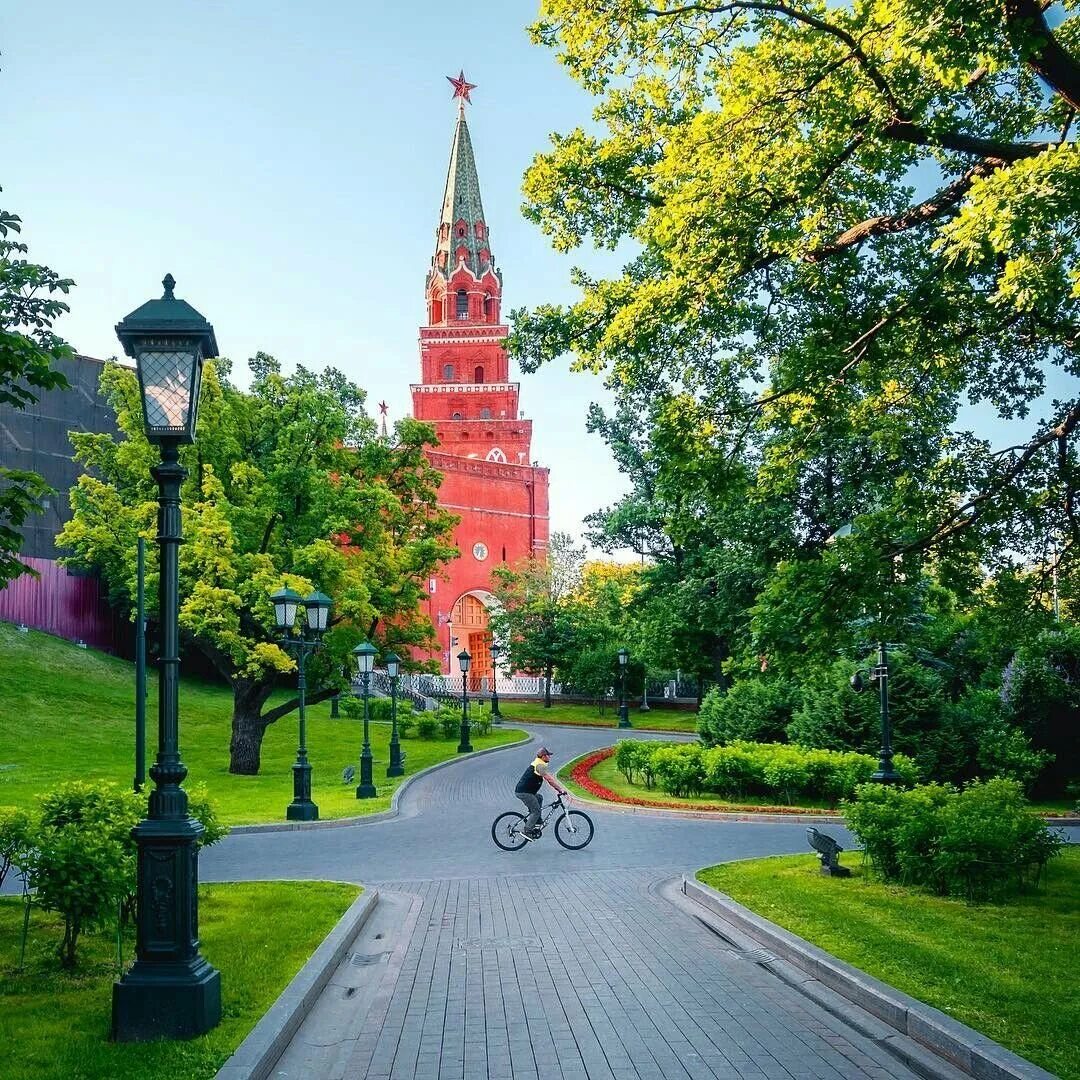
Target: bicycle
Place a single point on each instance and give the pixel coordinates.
(573, 828)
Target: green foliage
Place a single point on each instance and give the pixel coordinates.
(16, 829)
(752, 710)
(1041, 696)
(426, 726)
(449, 723)
(28, 348)
(82, 864)
(679, 770)
(352, 705)
(981, 841)
(202, 810)
(288, 483)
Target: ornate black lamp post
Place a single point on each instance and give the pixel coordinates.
(171, 991)
(465, 661)
(317, 608)
(393, 666)
(885, 773)
(624, 712)
(365, 654)
(496, 652)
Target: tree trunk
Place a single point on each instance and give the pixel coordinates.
(248, 725)
(547, 686)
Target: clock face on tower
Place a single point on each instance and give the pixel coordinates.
(479, 551)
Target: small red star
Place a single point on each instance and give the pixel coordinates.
(383, 408)
(461, 87)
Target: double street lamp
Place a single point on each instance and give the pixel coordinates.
(465, 662)
(393, 667)
(317, 610)
(171, 991)
(365, 654)
(624, 712)
(496, 652)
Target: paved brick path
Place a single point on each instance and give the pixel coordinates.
(484, 965)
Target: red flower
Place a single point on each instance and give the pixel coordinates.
(580, 775)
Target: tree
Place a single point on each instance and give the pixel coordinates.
(533, 612)
(288, 483)
(869, 209)
(28, 349)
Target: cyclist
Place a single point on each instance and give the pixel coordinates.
(528, 790)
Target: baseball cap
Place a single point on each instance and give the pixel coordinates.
(543, 750)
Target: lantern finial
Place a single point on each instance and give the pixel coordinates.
(169, 282)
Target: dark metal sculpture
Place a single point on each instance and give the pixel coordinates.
(829, 852)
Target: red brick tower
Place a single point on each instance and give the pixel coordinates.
(489, 478)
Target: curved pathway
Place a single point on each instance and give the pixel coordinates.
(480, 964)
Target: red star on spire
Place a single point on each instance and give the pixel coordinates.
(383, 408)
(461, 87)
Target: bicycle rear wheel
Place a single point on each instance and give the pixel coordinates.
(508, 831)
(574, 829)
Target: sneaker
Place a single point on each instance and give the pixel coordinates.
(525, 834)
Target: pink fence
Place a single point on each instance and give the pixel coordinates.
(62, 604)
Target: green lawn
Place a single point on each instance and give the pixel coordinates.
(1008, 971)
(69, 712)
(525, 712)
(607, 774)
(55, 1025)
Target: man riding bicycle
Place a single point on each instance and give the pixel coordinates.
(528, 790)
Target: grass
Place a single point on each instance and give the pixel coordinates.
(69, 713)
(533, 712)
(607, 774)
(55, 1025)
(1009, 971)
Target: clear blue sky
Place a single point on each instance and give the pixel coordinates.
(286, 164)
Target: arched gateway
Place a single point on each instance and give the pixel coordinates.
(470, 623)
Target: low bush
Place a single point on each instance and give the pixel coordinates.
(449, 723)
(378, 708)
(427, 726)
(752, 710)
(15, 838)
(739, 770)
(978, 842)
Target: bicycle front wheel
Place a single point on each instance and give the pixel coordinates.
(508, 831)
(574, 829)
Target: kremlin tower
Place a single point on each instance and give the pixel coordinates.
(489, 479)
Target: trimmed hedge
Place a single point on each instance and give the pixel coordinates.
(977, 842)
(744, 769)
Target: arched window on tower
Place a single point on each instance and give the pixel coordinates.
(478, 373)
(462, 304)
(495, 454)
(436, 310)
(485, 413)
(448, 373)
(456, 416)
(489, 309)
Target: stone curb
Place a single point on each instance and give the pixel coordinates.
(382, 815)
(257, 1055)
(973, 1053)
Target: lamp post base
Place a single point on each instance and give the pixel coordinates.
(395, 768)
(366, 791)
(624, 716)
(302, 811)
(884, 775)
(464, 747)
(302, 808)
(166, 1001)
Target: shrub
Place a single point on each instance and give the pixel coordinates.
(16, 830)
(83, 862)
(449, 723)
(378, 708)
(633, 757)
(201, 809)
(427, 726)
(405, 723)
(977, 842)
(754, 710)
(481, 725)
(679, 769)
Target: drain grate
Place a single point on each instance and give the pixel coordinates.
(476, 944)
(758, 956)
(367, 959)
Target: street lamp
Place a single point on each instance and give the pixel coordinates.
(365, 654)
(171, 991)
(465, 661)
(885, 773)
(393, 666)
(496, 652)
(644, 691)
(624, 713)
(317, 609)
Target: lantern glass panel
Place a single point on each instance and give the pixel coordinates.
(365, 657)
(285, 602)
(624, 657)
(393, 665)
(317, 607)
(170, 378)
(465, 660)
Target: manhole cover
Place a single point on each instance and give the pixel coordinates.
(498, 943)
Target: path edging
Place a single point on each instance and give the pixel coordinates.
(256, 1056)
(975, 1054)
(382, 815)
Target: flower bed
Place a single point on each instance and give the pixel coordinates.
(580, 774)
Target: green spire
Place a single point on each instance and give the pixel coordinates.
(461, 204)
